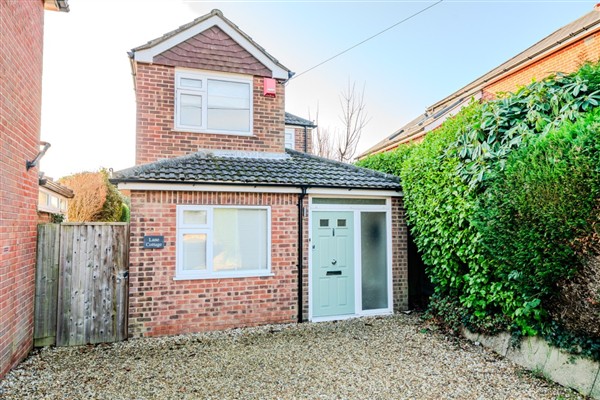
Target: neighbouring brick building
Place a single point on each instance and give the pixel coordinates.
(21, 43)
(562, 51)
(233, 221)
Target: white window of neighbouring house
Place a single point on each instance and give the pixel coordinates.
(213, 103)
(222, 241)
(289, 138)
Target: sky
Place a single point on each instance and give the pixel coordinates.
(88, 103)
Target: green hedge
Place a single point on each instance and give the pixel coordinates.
(497, 199)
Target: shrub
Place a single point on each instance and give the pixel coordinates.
(503, 201)
(96, 199)
(533, 213)
(504, 124)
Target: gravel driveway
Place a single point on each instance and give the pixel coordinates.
(369, 358)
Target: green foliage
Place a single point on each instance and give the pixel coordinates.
(57, 218)
(505, 124)
(533, 212)
(125, 213)
(501, 200)
(112, 207)
(556, 334)
(389, 162)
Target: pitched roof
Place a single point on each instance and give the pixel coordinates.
(438, 112)
(147, 51)
(291, 119)
(257, 168)
(56, 187)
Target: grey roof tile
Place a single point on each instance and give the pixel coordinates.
(291, 119)
(254, 168)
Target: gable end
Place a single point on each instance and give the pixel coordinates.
(161, 46)
(213, 50)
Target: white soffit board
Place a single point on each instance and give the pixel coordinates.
(147, 55)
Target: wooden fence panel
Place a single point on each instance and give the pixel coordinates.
(92, 278)
(46, 283)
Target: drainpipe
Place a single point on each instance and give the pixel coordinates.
(301, 197)
(305, 140)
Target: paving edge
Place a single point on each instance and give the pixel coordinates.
(535, 354)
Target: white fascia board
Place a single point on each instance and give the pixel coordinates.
(354, 192)
(147, 55)
(181, 187)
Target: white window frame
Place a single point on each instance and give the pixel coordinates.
(207, 229)
(203, 93)
(48, 207)
(293, 130)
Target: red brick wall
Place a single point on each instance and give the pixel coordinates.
(21, 40)
(159, 305)
(299, 139)
(156, 139)
(400, 255)
(566, 60)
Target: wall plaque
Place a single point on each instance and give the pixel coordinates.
(154, 242)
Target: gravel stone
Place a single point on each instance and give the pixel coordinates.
(395, 357)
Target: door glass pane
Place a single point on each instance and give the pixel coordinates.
(374, 260)
(194, 252)
(190, 110)
(324, 223)
(194, 217)
(240, 239)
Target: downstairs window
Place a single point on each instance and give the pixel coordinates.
(220, 241)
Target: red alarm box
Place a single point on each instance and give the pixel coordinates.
(269, 85)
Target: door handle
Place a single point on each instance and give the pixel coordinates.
(333, 262)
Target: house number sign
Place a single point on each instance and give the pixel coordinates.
(154, 242)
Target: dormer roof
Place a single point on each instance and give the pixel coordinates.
(226, 46)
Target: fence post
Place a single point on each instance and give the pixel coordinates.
(46, 285)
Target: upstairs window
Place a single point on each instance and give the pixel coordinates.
(213, 103)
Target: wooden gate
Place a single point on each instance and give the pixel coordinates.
(81, 283)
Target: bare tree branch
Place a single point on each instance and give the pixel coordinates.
(324, 141)
(354, 119)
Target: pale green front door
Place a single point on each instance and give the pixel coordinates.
(332, 263)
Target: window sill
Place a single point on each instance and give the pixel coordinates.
(208, 131)
(225, 276)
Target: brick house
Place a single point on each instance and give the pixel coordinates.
(21, 43)
(249, 227)
(53, 200)
(562, 51)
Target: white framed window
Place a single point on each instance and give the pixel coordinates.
(289, 138)
(213, 103)
(51, 203)
(223, 241)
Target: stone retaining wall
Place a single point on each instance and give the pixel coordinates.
(535, 354)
